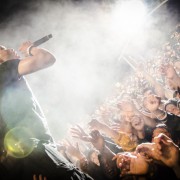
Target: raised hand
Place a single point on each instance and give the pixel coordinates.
(40, 177)
(78, 132)
(97, 140)
(24, 46)
(168, 150)
(149, 151)
(171, 76)
(74, 150)
(131, 163)
(167, 70)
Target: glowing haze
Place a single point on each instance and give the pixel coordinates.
(88, 38)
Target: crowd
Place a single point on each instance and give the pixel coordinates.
(135, 133)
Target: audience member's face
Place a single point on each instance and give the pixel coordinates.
(151, 102)
(171, 108)
(137, 123)
(157, 131)
(126, 126)
(127, 110)
(128, 115)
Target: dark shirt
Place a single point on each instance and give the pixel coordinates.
(106, 171)
(173, 123)
(18, 106)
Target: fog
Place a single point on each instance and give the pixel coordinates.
(89, 38)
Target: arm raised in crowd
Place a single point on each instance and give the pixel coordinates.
(169, 152)
(131, 163)
(106, 156)
(78, 132)
(96, 125)
(171, 77)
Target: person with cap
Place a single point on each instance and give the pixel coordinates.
(172, 106)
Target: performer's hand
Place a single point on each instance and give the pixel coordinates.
(24, 48)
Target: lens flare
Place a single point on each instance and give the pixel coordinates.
(18, 142)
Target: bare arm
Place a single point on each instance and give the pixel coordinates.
(106, 155)
(169, 152)
(95, 124)
(40, 59)
(159, 89)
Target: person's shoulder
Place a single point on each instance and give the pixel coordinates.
(10, 62)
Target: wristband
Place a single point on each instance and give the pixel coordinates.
(29, 50)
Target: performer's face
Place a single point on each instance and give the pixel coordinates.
(7, 54)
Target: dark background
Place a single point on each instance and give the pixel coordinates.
(9, 8)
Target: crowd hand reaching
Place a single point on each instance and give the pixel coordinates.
(168, 71)
(97, 140)
(149, 151)
(131, 163)
(74, 150)
(40, 177)
(24, 48)
(168, 150)
(78, 132)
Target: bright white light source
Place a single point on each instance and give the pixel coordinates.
(129, 16)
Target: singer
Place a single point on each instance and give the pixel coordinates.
(19, 109)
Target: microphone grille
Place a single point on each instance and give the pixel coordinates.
(49, 36)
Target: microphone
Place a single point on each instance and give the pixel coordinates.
(42, 40)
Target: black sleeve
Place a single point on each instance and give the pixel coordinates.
(173, 122)
(108, 166)
(9, 71)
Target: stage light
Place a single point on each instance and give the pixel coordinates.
(129, 16)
